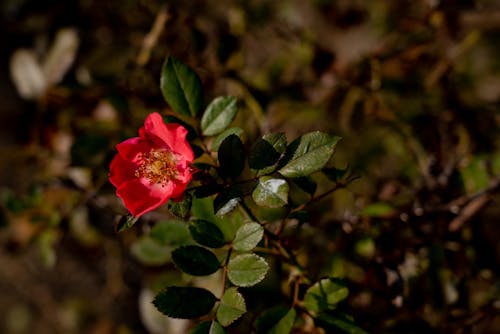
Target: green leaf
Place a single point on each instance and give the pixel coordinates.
(232, 306)
(203, 208)
(149, 252)
(308, 154)
(285, 325)
(264, 153)
(206, 233)
(277, 140)
(246, 269)
(365, 247)
(227, 200)
(379, 209)
(181, 208)
(207, 327)
(181, 87)
(306, 183)
(220, 138)
(195, 260)
(219, 113)
(247, 237)
(271, 192)
(184, 302)
(335, 174)
(125, 223)
(324, 295)
(336, 324)
(277, 320)
(231, 156)
(46, 242)
(170, 233)
(475, 174)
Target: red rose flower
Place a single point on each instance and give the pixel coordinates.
(152, 168)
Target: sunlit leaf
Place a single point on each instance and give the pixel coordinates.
(195, 260)
(181, 87)
(248, 236)
(271, 192)
(324, 295)
(232, 306)
(219, 113)
(184, 302)
(247, 269)
(308, 154)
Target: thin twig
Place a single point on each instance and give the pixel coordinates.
(472, 205)
(338, 185)
(284, 251)
(224, 273)
(151, 38)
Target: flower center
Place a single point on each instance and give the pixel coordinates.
(157, 166)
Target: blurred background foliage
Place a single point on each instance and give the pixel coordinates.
(413, 87)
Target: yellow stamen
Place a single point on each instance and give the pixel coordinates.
(157, 166)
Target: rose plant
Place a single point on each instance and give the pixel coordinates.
(233, 202)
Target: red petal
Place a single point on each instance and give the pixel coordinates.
(184, 174)
(178, 189)
(172, 135)
(121, 170)
(140, 198)
(131, 148)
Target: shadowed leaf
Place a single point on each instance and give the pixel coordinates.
(195, 260)
(184, 302)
